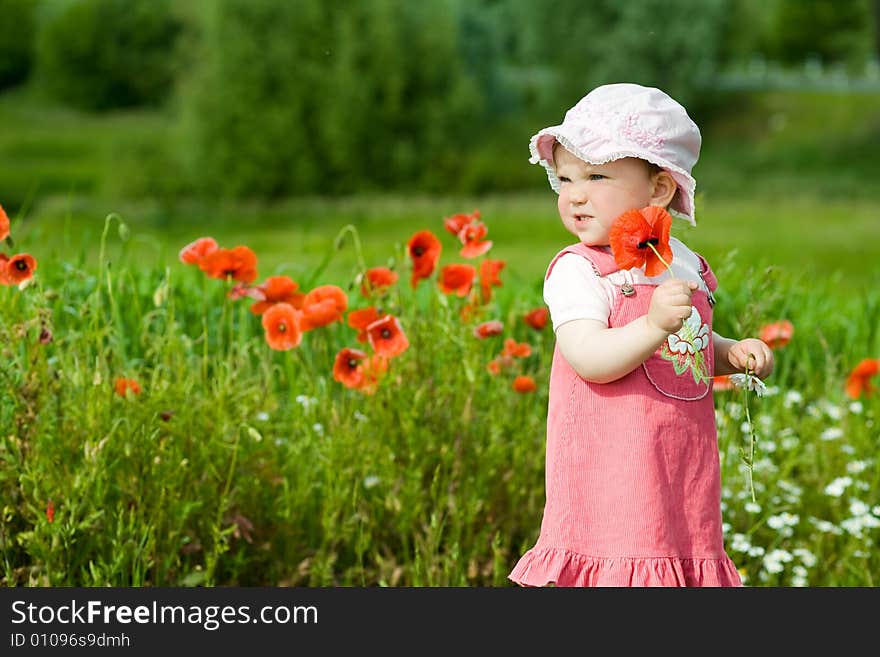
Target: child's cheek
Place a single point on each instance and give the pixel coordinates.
(562, 202)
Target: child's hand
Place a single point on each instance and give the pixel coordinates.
(753, 354)
(671, 304)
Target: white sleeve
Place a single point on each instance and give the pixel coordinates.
(574, 291)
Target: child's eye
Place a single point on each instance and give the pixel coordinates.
(563, 179)
(596, 176)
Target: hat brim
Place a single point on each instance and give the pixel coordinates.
(541, 149)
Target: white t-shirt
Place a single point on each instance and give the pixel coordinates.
(574, 290)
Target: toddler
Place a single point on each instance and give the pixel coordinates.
(633, 485)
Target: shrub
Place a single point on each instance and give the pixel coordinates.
(308, 98)
(670, 44)
(101, 54)
(834, 32)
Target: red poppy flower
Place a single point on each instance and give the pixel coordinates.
(322, 306)
(377, 281)
(19, 268)
(277, 289)
(3, 261)
(386, 337)
(516, 349)
(631, 233)
(354, 369)
(281, 324)
(123, 386)
(456, 222)
(238, 264)
(424, 251)
(4, 224)
(858, 381)
(489, 329)
(537, 318)
(193, 252)
(722, 382)
(348, 368)
(457, 279)
(524, 383)
(374, 368)
(50, 511)
(361, 319)
(500, 363)
(778, 334)
(242, 290)
(489, 270)
(472, 237)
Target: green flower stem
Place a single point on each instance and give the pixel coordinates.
(336, 245)
(748, 457)
(657, 253)
(218, 535)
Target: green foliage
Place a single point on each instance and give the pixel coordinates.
(237, 465)
(17, 33)
(833, 31)
(794, 32)
(101, 54)
(670, 44)
(310, 97)
(748, 30)
(763, 144)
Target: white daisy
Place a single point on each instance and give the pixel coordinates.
(749, 382)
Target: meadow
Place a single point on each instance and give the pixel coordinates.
(237, 464)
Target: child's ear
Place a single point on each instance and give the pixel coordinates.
(663, 189)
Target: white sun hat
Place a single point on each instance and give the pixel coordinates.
(627, 120)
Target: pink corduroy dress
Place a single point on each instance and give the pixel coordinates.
(633, 484)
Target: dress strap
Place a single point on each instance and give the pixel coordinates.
(707, 274)
(601, 260)
(708, 277)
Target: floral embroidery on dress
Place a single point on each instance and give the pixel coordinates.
(681, 348)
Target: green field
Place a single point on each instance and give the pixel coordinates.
(784, 179)
(240, 465)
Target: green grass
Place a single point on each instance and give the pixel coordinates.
(784, 179)
(240, 465)
(781, 146)
(803, 237)
(48, 150)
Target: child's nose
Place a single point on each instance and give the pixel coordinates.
(578, 194)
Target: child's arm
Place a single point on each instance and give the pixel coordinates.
(601, 354)
(732, 356)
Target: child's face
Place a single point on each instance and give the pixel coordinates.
(592, 196)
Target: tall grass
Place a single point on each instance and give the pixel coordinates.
(241, 465)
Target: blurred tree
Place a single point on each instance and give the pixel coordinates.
(670, 44)
(833, 31)
(314, 97)
(17, 32)
(875, 10)
(100, 54)
(486, 33)
(748, 31)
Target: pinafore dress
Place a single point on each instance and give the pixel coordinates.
(633, 485)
